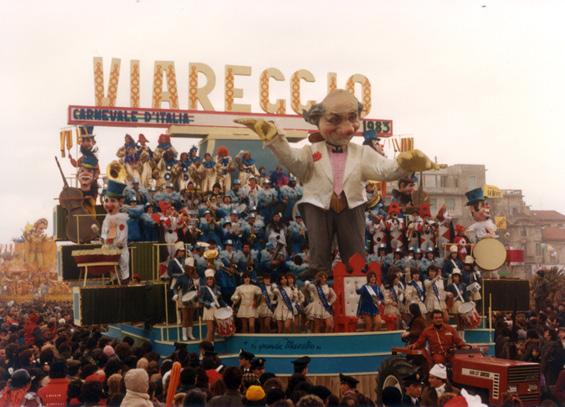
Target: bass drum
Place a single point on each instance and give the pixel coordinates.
(469, 315)
(489, 254)
(224, 321)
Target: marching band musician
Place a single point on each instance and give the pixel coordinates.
(187, 231)
(166, 169)
(209, 175)
(146, 159)
(414, 292)
(250, 190)
(395, 226)
(245, 298)
(224, 167)
(457, 293)
(297, 234)
(183, 169)
(452, 261)
(185, 284)
(416, 261)
(247, 166)
(472, 278)
(196, 173)
(230, 257)
(429, 259)
(253, 231)
(396, 259)
(320, 309)
(271, 259)
(290, 194)
(248, 261)
(284, 311)
(175, 268)
(380, 257)
(225, 207)
(211, 298)
(233, 229)
(276, 232)
(392, 300)
(267, 305)
(297, 266)
(211, 231)
(267, 197)
(435, 292)
(371, 298)
(234, 192)
(298, 304)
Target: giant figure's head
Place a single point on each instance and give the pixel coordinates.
(338, 116)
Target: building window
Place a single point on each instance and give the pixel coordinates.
(538, 249)
(450, 203)
(430, 181)
(523, 232)
(433, 204)
(472, 181)
(443, 181)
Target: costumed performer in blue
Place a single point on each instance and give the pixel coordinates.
(334, 172)
(114, 231)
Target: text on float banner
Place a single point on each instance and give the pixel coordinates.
(202, 81)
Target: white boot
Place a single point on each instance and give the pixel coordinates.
(184, 331)
(190, 336)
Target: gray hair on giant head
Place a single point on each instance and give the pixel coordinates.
(316, 111)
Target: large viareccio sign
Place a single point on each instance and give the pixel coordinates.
(166, 109)
(202, 81)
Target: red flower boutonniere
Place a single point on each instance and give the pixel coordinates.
(122, 226)
(317, 156)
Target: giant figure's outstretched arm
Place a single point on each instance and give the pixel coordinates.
(296, 160)
(378, 168)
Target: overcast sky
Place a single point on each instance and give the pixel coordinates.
(475, 81)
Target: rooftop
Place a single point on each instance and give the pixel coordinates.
(553, 234)
(548, 216)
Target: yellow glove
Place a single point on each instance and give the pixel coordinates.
(266, 130)
(415, 161)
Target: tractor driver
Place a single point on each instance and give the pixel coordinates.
(442, 338)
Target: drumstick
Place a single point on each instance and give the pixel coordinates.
(200, 327)
(490, 316)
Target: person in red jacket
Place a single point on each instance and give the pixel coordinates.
(54, 393)
(31, 329)
(442, 339)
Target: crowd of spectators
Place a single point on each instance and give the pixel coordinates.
(47, 361)
(535, 336)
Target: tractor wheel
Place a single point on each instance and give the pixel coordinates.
(392, 374)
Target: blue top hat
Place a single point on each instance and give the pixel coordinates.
(474, 195)
(115, 189)
(89, 161)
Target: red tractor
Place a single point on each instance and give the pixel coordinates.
(492, 378)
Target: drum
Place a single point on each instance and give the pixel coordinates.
(449, 300)
(489, 254)
(469, 315)
(224, 321)
(189, 296)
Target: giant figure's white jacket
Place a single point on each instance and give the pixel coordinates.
(311, 165)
